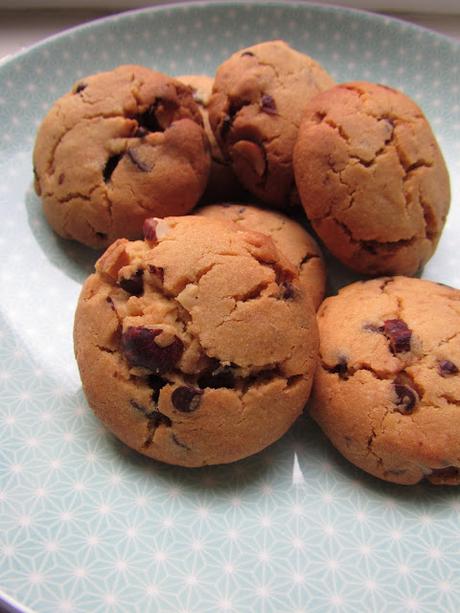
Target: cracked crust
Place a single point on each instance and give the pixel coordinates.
(259, 96)
(391, 411)
(372, 178)
(222, 183)
(120, 147)
(245, 350)
(289, 237)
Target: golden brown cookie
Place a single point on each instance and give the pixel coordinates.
(372, 178)
(259, 96)
(222, 183)
(197, 345)
(123, 145)
(289, 237)
(387, 391)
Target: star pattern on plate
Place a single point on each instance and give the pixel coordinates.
(88, 525)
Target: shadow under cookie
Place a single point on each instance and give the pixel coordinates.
(73, 259)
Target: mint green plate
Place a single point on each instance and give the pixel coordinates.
(87, 525)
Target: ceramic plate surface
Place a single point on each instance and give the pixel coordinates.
(85, 524)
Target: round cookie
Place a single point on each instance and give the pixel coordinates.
(289, 237)
(387, 391)
(372, 178)
(120, 147)
(222, 183)
(259, 96)
(196, 346)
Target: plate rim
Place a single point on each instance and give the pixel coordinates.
(187, 5)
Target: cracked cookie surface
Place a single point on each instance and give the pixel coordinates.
(197, 345)
(259, 96)
(289, 237)
(120, 147)
(372, 178)
(387, 390)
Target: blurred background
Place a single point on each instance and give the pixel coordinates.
(25, 22)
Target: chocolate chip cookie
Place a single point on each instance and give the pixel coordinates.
(222, 182)
(259, 96)
(372, 178)
(387, 391)
(120, 147)
(197, 345)
(289, 237)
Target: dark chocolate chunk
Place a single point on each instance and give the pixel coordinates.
(148, 119)
(288, 291)
(150, 229)
(341, 368)
(268, 105)
(134, 285)
(447, 368)
(448, 472)
(156, 383)
(399, 335)
(186, 398)
(157, 272)
(110, 166)
(407, 398)
(135, 158)
(222, 376)
(139, 348)
(79, 87)
(158, 419)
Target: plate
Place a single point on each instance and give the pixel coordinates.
(87, 525)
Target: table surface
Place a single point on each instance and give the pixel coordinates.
(22, 28)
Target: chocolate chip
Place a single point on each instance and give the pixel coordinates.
(135, 158)
(288, 291)
(268, 105)
(250, 53)
(156, 383)
(373, 328)
(139, 348)
(222, 376)
(158, 419)
(448, 472)
(148, 119)
(110, 302)
(101, 235)
(186, 398)
(149, 229)
(110, 166)
(157, 272)
(446, 368)
(399, 335)
(407, 399)
(134, 285)
(179, 443)
(79, 87)
(341, 368)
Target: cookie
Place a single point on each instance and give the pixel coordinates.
(387, 391)
(289, 237)
(222, 182)
(372, 178)
(259, 96)
(197, 345)
(120, 147)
